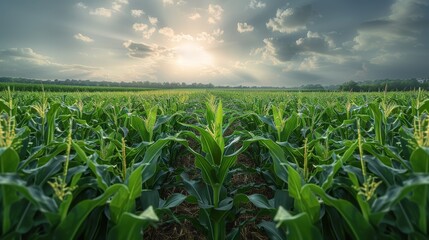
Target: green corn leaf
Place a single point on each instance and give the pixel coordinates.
(272, 231)
(139, 125)
(209, 145)
(226, 164)
(359, 227)
(278, 155)
(150, 121)
(260, 201)
(69, 227)
(291, 123)
(173, 201)
(120, 204)
(417, 185)
(304, 199)
(420, 160)
(130, 225)
(101, 172)
(152, 154)
(198, 190)
(32, 193)
(50, 120)
(378, 123)
(298, 227)
(42, 174)
(135, 182)
(150, 198)
(9, 160)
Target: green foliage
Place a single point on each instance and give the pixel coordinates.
(113, 166)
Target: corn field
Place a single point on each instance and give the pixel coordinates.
(214, 164)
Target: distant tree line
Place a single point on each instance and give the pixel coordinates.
(89, 83)
(25, 84)
(386, 84)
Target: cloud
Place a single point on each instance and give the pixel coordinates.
(194, 16)
(82, 5)
(287, 48)
(389, 39)
(291, 20)
(173, 2)
(182, 37)
(139, 27)
(116, 6)
(166, 31)
(153, 20)
(215, 13)
(214, 36)
(149, 32)
(142, 50)
(122, 1)
(244, 27)
(137, 12)
(83, 38)
(257, 4)
(26, 54)
(104, 12)
(24, 62)
(145, 29)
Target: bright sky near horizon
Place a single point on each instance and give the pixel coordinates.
(236, 42)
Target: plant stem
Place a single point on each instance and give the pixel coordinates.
(124, 160)
(305, 159)
(69, 143)
(216, 193)
(361, 152)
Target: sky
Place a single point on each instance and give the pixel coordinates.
(237, 42)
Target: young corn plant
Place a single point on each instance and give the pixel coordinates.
(214, 163)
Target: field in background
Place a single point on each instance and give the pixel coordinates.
(189, 164)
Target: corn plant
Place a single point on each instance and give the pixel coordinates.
(214, 163)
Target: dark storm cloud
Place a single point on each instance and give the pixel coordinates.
(287, 48)
(24, 62)
(142, 50)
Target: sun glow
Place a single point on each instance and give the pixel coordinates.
(191, 56)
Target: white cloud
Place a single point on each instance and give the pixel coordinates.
(82, 5)
(291, 19)
(101, 12)
(153, 20)
(244, 27)
(145, 29)
(137, 13)
(215, 13)
(173, 2)
(215, 36)
(166, 31)
(149, 32)
(194, 16)
(182, 37)
(116, 6)
(257, 4)
(83, 38)
(139, 27)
